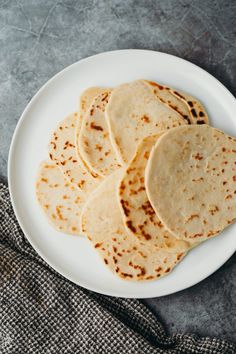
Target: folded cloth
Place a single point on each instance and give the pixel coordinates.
(42, 312)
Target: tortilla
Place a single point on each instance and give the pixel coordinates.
(85, 101)
(134, 112)
(61, 201)
(94, 141)
(191, 181)
(187, 106)
(63, 152)
(138, 214)
(123, 253)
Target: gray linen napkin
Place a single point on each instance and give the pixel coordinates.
(41, 312)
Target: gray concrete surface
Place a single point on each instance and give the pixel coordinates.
(39, 38)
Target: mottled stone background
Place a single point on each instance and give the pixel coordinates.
(38, 38)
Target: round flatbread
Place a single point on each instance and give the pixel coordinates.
(94, 141)
(62, 151)
(138, 214)
(134, 112)
(191, 181)
(187, 106)
(123, 253)
(61, 201)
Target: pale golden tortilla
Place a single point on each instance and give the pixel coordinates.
(62, 151)
(134, 112)
(122, 252)
(138, 215)
(191, 181)
(94, 142)
(61, 201)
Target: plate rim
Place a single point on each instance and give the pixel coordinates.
(10, 168)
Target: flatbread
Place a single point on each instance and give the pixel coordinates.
(85, 101)
(62, 151)
(94, 141)
(134, 112)
(138, 214)
(187, 106)
(123, 253)
(191, 181)
(61, 201)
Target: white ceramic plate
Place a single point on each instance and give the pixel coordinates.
(72, 256)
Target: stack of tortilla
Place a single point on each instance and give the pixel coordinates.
(140, 173)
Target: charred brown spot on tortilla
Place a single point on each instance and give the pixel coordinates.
(178, 94)
(125, 206)
(152, 83)
(194, 113)
(191, 217)
(96, 127)
(198, 156)
(201, 114)
(148, 209)
(50, 155)
(136, 266)
(98, 147)
(59, 214)
(45, 180)
(122, 186)
(81, 183)
(131, 226)
(167, 270)
(105, 96)
(97, 245)
(190, 103)
(224, 183)
(74, 228)
(114, 259)
(179, 256)
(196, 235)
(142, 254)
(186, 118)
(46, 206)
(106, 261)
(54, 145)
(158, 269)
(146, 235)
(61, 128)
(149, 277)
(145, 119)
(229, 196)
(198, 179)
(107, 152)
(201, 122)
(126, 275)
